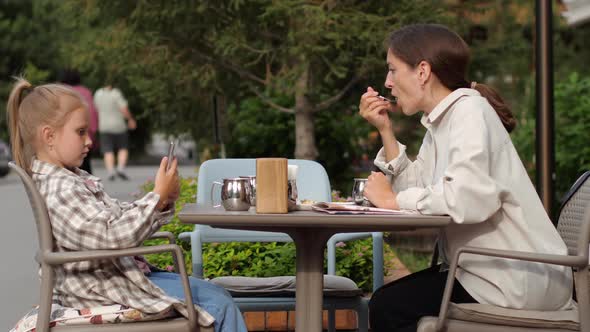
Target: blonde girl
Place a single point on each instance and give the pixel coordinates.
(49, 136)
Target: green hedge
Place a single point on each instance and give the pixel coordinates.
(354, 258)
(572, 130)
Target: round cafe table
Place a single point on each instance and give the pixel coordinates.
(310, 231)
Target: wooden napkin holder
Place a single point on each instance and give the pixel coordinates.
(271, 185)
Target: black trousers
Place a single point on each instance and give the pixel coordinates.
(399, 305)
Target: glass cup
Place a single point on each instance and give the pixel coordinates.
(357, 192)
(292, 194)
(236, 194)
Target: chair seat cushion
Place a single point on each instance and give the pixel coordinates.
(565, 319)
(284, 286)
(97, 315)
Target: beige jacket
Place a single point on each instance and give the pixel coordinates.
(468, 168)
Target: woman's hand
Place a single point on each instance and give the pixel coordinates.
(374, 110)
(166, 183)
(378, 191)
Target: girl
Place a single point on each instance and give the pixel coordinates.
(49, 136)
(467, 168)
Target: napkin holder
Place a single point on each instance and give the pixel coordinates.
(271, 185)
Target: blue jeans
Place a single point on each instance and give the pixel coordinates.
(214, 299)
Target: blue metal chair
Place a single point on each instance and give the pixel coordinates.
(312, 183)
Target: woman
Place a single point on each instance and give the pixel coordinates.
(467, 168)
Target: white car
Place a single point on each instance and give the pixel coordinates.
(4, 158)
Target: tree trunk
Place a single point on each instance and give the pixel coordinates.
(305, 147)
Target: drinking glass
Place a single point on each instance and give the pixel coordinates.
(357, 192)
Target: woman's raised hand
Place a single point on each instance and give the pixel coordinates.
(374, 110)
(167, 184)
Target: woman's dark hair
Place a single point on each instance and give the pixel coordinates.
(448, 56)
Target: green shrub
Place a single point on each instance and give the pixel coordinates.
(250, 259)
(572, 128)
(188, 190)
(353, 259)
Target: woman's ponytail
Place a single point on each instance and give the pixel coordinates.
(494, 98)
(18, 93)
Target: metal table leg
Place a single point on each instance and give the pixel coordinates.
(310, 244)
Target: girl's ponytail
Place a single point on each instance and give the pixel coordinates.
(29, 108)
(18, 93)
(494, 98)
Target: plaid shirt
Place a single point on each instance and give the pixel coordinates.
(84, 217)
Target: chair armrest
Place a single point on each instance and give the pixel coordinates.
(163, 235)
(378, 277)
(184, 236)
(343, 237)
(563, 260)
(331, 247)
(58, 258)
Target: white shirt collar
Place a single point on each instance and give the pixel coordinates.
(440, 109)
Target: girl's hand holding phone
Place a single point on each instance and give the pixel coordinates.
(167, 184)
(174, 195)
(374, 109)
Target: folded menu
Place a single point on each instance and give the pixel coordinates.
(351, 208)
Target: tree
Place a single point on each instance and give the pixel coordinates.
(25, 50)
(177, 55)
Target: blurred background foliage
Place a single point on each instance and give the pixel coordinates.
(275, 66)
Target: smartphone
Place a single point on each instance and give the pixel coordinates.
(170, 154)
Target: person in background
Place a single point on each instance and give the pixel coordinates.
(71, 77)
(114, 119)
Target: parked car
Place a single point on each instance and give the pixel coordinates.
(4, 158)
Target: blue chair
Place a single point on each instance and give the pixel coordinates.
(312, 183)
